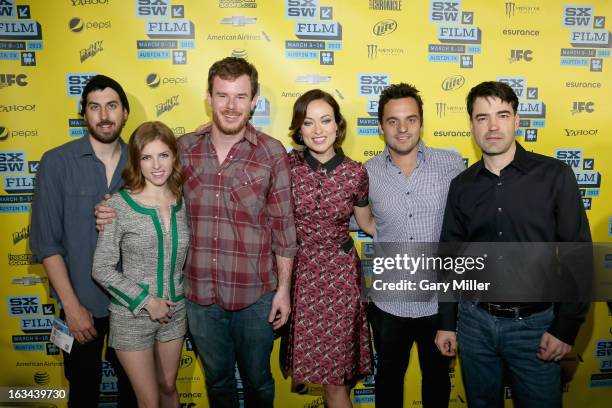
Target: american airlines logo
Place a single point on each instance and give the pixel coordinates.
(313, 79)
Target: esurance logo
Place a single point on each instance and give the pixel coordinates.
(75, 82)
(152, 8)
(445, 12)
(372, 84)
(384, 27)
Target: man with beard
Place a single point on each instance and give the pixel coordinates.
(71, 179)
(238, 273)
(408, 186)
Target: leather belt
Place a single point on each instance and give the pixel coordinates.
(515, 312)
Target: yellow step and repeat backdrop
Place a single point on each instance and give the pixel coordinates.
(555, 54)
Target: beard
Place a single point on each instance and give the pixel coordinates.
(106, 138)
(229, 129)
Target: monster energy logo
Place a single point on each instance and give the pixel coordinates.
(510, 8)
(440, 109)
(372, 51)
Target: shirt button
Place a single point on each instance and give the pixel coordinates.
(409, 215)
(231, 157)
(214, 238)
(499, 209)
(499, 233)
(499, 183)
(411, 238)
(407, 192)
(216, 216)
(219, 173)
(214, 260)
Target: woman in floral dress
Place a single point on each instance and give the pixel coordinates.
(329, 341)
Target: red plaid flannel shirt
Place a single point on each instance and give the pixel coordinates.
(241, 216)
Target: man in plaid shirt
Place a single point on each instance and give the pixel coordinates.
(238, 273)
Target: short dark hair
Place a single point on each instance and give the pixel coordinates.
(399, 91)
(99, 83)
(299, 113)
(232, 68)
(492, 89)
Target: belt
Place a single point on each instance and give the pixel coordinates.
(515, 312)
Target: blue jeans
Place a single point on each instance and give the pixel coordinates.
(223, 338)
(488, 344)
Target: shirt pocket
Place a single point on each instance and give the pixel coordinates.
(248, 191)
(81, 201)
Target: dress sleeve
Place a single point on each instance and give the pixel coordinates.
(361, 192)
(108, 252)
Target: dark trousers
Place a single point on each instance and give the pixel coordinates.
(393, 338)
(83, 370)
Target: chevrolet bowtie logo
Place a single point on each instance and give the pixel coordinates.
(28, 280)
(313, 79)
(238, 21)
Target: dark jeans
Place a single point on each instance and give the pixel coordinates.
(488, 344)
(83, 370)
(393, 338)
(224, 338)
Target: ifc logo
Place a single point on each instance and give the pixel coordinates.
(153, 80)
(76, 25)
(41, 378)
(4, 133)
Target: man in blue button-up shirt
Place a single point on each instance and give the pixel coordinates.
(408, 186)
(71, 180)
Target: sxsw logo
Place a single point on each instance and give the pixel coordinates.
(581, 106)
(24, 306)
(76, 82)
(7, 8)
(577, 16)
(301, 8)
(170, 29)
(372, 84)
(571, 157)
(518, 84)
(12, 161)
(318, 30)
(520, 55)
(7, 80)
(384, 27)
(445, 12)
(152, 8)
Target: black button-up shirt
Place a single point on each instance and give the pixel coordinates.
(534, 199)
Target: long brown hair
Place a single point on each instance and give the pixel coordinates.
(143, 135)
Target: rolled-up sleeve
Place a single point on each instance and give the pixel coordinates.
(279, 208)
(108, 252)
(46, 229)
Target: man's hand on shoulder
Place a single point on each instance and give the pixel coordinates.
(104, 213)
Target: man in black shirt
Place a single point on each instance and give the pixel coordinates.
(510, 195)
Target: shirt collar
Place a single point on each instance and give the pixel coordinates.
(520, 160)
(328, 165)
(84, 147)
